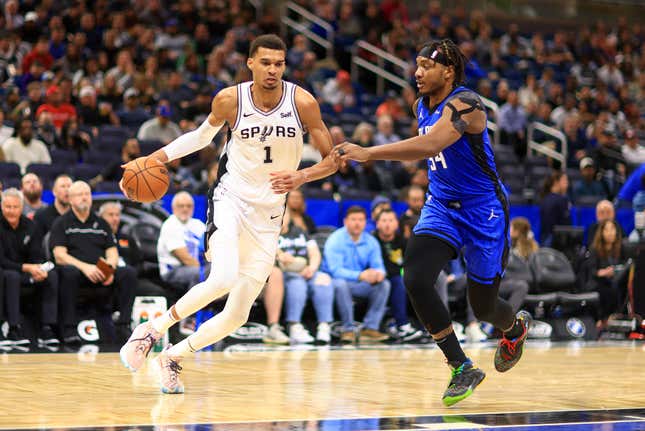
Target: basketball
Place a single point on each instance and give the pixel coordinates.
(145, 180)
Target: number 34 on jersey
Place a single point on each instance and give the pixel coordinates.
(437, 161)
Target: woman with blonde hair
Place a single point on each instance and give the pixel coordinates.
(522, 239)
(363, 134)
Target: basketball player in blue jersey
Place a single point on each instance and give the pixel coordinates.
(467, 207)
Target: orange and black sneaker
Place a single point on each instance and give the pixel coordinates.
(509, 351)
(465, 378)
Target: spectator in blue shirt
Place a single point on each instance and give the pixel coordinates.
(512, 122)
(353, 258)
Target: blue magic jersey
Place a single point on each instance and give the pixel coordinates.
(465, 169)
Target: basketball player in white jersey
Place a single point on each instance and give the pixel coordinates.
(267, 118)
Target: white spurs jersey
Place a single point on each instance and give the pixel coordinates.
(262, 142)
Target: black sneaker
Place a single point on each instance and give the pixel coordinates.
(465, 379)
(47, 336)
(16, 336)
(509, 351)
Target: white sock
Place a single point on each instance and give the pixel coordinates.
(165, 321)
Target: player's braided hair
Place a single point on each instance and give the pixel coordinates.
(452, 57)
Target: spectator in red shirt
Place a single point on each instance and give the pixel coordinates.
(59, 110)
(41, 53)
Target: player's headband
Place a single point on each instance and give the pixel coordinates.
(433, 54)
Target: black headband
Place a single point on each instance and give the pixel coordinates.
(437, 56)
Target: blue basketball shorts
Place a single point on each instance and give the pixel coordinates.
(479, 225)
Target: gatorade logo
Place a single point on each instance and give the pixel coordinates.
(87, 330)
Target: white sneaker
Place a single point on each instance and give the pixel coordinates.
(458, 328)
(323, 334)
(474, 334)
(408, 332)
(276, 335)
(299, 335)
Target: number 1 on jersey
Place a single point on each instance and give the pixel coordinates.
(436, 160)
(267, 152)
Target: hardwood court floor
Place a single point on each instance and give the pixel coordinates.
(65, 390)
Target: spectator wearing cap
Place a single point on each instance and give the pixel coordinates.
(23, 149)
(171, 40)
(339, 92)
(60, 111)
(91, 113)
(588, 185)
(160, 128)
(40, 53)
(132, 114)
(633, 152)
(391, 107)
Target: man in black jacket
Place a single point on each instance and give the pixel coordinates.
(79, 239)
(22, 262)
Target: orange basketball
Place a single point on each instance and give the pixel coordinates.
(145, 179)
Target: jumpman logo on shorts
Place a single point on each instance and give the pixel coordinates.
(492, 215)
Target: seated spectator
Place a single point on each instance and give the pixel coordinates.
(512, 123)
(363, 134)
(392, 247)
(638, 234)
(416, 198)
(72, 138)
(160, 128)
(378, 204)
(93, 114)
(353, 258)
(5, 131)
(607, 269)
(604, 211)
(113, 171)
(21, 261)
(32, 192)
(555, 208)
(385, 131)
(79, 239)
(296, 207)
(129, 253)
(515, 285)
(23, 149)
(59, 110)
(180, 244)
(339, 92)
(588, 185)
(299, 260)
(633, 152)
(390, 107)
(272, 296)
(132, 115)
(45, 217)
(40, 53)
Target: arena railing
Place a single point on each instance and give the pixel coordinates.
(542, 148)
(493, 109)
(306, 18)
(378, 68)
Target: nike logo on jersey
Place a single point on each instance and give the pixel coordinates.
(492, 215)
(247, 115)
(275, 217)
